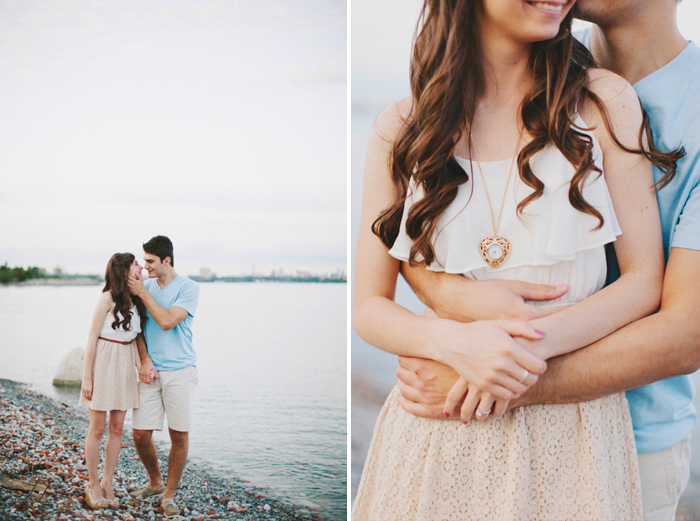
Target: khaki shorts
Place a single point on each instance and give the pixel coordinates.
(665, 474)
(171, 395)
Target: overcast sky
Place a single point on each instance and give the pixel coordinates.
(220, 123)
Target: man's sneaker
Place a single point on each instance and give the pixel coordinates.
(147, 491)
(170, 509)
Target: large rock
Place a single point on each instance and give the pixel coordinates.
(70, 370)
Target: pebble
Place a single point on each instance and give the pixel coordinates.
(44, 443)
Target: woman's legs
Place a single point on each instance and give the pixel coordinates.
(114, 443)
(92, 450)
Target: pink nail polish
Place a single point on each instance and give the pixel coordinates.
(541, 333)
(464, 422)
(447, 415)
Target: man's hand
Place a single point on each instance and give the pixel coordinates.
(148, 372)
(424, 385)
(471, 300)
(458, 298)
(136, 286)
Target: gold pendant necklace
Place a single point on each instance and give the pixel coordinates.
(495, 249)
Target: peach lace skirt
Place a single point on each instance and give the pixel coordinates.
(114, 377)
(540, 462)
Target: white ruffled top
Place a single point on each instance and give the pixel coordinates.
(120, 334)
(553, 243)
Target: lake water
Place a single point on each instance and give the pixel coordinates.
(270, 406)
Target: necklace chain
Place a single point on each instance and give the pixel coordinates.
(495, 224)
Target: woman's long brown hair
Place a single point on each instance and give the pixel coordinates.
(447, 79)
(115, 281)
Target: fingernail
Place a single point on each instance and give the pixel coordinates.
(447, 415)
(464, 422)
(541, 333)
(561, 287)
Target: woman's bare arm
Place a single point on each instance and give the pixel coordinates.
(104, 304)
(385, 324)
(639, 249)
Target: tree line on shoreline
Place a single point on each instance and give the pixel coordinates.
(15, 274)
(12, 275)
(19, 274)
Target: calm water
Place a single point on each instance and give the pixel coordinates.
(270, 406)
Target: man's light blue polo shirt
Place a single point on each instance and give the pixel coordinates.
(663, 412)
(172, 349)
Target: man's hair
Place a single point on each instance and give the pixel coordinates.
(161, 246)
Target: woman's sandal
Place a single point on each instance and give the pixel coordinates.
(111, 503)
(98, 504)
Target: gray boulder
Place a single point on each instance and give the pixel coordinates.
(70, 369)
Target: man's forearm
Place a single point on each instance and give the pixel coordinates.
(653, 348)
(422, 281)
(161, 315)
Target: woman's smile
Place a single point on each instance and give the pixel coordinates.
(550, 9)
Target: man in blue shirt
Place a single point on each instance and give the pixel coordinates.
(640, 40)
(168, 368)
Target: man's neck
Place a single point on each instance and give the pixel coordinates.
(167, 277)
(639, 45)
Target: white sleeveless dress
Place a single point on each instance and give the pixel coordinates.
(115, 373)
(540, 462)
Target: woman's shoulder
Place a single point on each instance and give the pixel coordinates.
(606, 83)
(105, 301)
(614, 91)
(390, 121)
(621, 104)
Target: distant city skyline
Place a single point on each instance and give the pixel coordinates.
(192, 269)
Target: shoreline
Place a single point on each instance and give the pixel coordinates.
(42, 443)
(242, 280)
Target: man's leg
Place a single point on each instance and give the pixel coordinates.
(149, 456)
(178, 388)
(176, 461)
(665, 474)
(147, 418)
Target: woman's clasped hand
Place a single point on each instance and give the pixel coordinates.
(492, 365)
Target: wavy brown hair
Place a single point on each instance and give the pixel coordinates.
(447, 79)
(115, 281)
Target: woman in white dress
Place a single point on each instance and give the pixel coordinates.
(494, 170)
(111, 373)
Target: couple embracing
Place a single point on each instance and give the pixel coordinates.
(531, 388)
(140, 356)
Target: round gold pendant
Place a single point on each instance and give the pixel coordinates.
(494, 250)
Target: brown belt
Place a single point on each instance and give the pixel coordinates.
(115, 341)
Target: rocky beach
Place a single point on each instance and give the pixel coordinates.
(43, 473)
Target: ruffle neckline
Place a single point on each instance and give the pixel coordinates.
(551, 230)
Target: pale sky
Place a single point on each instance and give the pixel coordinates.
(219, 123)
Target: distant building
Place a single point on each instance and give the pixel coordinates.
(205, 274)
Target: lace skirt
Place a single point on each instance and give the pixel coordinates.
(114, 378)
(545, 462)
